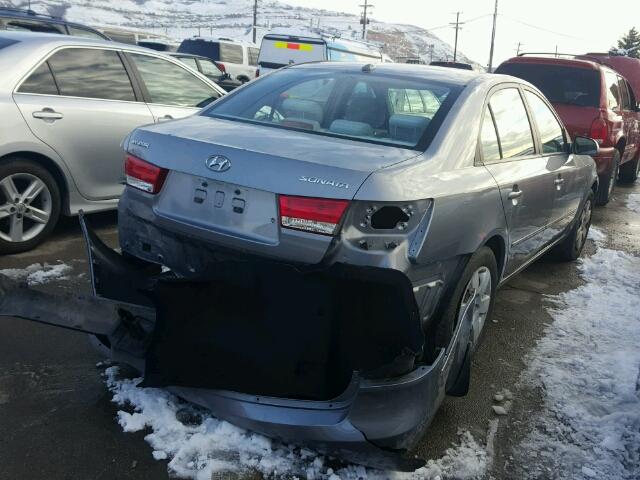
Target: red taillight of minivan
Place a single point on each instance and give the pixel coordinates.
(317, 215)
(143, 175)
(599, 130)
(221, 67)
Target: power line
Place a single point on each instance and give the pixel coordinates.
(541, 28)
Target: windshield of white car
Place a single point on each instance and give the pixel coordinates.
(366, 107)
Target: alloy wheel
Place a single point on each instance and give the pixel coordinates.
(476, 300)
(25, 207)
(583, 225)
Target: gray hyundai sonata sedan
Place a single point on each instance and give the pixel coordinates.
(336, 235)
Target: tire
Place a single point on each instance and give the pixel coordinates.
(630, 171)
(26, 220)
(571, 247)
(607, 184)
(481, 261)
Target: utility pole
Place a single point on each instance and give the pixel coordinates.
(556, 51)
(365, 19)
(457, 26)
(255, 19)
(493, 37)
(518, 49)
(431, 47)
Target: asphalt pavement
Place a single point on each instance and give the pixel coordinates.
(57, 421)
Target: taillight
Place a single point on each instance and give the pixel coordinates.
(221, 66)
(143, 175)
(317, 215)
(599, 130)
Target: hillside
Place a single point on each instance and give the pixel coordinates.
(233, 18)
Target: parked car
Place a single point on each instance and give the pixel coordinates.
(66, 105)
(281, 49)
(154, 41)
(209, 69)
(337, 233)
(238, 59)
(593, 100)
(30, 21)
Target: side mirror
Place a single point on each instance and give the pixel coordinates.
(585, 146)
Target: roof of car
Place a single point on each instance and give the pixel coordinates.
(30, 14)
(448, 75)
(48, 39)
(235, 41)
(562, 61)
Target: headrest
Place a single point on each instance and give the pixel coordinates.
(347, 127)
(305, 109)
(407, 128)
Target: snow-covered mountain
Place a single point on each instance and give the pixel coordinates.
(233, 18)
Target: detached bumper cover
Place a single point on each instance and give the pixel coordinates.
(328, 359)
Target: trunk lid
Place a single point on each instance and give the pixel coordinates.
(576, 118)
(238, 206)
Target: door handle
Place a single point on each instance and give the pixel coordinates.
(558, 182)
(514, 194)
(47, 114)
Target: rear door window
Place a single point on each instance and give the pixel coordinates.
(82, 32)
(253, 55)
(560, 84)
(613, 90)
(91, 73)
(34, 26)
(551, 132)
(512, 122)
(489, 139)
(209, 68)
(625, 101)
(170, 84)
(231, 53)
(40, 81)
(190, 62)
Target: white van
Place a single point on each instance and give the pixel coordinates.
(238, 59)
(280, 50)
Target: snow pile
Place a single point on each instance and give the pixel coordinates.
(38, 274)
(633, 202)
(199, 445)
(588, 367)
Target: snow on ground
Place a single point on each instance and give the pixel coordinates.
(587, 366)
(633, 202)
(38, 274)
(198, 445)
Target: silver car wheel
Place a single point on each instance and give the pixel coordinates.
(583, 224)
(25, 207)
(476, 300)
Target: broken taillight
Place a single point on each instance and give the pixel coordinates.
(317, 215)
(144, 175)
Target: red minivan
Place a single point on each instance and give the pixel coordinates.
(595, 101)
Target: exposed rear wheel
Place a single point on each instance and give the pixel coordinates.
(630, 171)
(468, 309)
(29, 205)
(607, 184)
(571, 247)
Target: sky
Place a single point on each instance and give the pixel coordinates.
(571, 25)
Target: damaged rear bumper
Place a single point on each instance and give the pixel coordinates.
(340, 368)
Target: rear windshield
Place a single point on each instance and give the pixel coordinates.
(573, 86)
(200, 47)
(360, 106)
